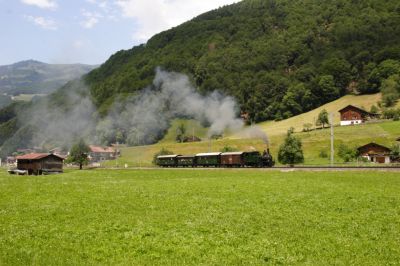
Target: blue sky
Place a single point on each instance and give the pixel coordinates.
(87, 31)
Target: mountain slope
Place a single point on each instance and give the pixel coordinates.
(278, 58)
(33, 77)
(297, 122)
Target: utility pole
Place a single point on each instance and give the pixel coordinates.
(332, 139)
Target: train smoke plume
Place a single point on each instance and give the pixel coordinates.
(139, 120)
(146, 117)
(254, 132)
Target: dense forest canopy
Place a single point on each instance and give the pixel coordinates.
(277, 58)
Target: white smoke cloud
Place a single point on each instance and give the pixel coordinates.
(146, 117)
(254, 132)
(142, 119)
(60, 125)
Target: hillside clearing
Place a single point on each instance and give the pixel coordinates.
(363, 101)
(314, 142)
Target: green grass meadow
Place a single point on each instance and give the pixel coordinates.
(211, 217)
(384, 133)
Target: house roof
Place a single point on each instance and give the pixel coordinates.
(94, 148)
(374, 144)
(36, 156)
(354, 107)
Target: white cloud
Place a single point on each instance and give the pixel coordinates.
(46, 4)
(158, 15)
(44, 23)
(90, 19)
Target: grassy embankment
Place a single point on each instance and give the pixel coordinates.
(176, 217)
(314, 142)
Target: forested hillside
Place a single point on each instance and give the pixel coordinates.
(278, 58)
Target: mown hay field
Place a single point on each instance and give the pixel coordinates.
(192, 217)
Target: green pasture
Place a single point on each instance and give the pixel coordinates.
(297, 122)
(200, 217)
(314, 142)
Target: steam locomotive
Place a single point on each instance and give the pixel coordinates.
(218, 159)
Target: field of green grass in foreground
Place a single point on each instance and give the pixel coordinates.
(213, 217)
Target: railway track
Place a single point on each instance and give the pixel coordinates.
(281, 168)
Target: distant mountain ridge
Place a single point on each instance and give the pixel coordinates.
(34, 77)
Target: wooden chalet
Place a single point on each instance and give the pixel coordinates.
(98, 154)
(39, 163)
(352, 115)
(375, 153)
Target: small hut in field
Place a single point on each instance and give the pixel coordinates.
(39, 163)
(375, 153)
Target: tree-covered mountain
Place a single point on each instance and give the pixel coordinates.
(278, 58)
(34, 77)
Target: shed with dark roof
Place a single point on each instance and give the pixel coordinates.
(39, 163)
(375, 153)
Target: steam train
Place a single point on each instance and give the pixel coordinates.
(218, 159)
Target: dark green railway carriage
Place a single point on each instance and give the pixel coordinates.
(167, 160)
(208, 159)
(185, 161)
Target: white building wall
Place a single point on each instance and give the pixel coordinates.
(350, 122)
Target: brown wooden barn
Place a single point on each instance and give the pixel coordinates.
(352, 115)
(39, 163)
(375, 153)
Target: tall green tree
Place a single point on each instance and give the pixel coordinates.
(180, 132)
(327, 88)
(323, 118)
(79, 153)
(390, 90)
(291, 152)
